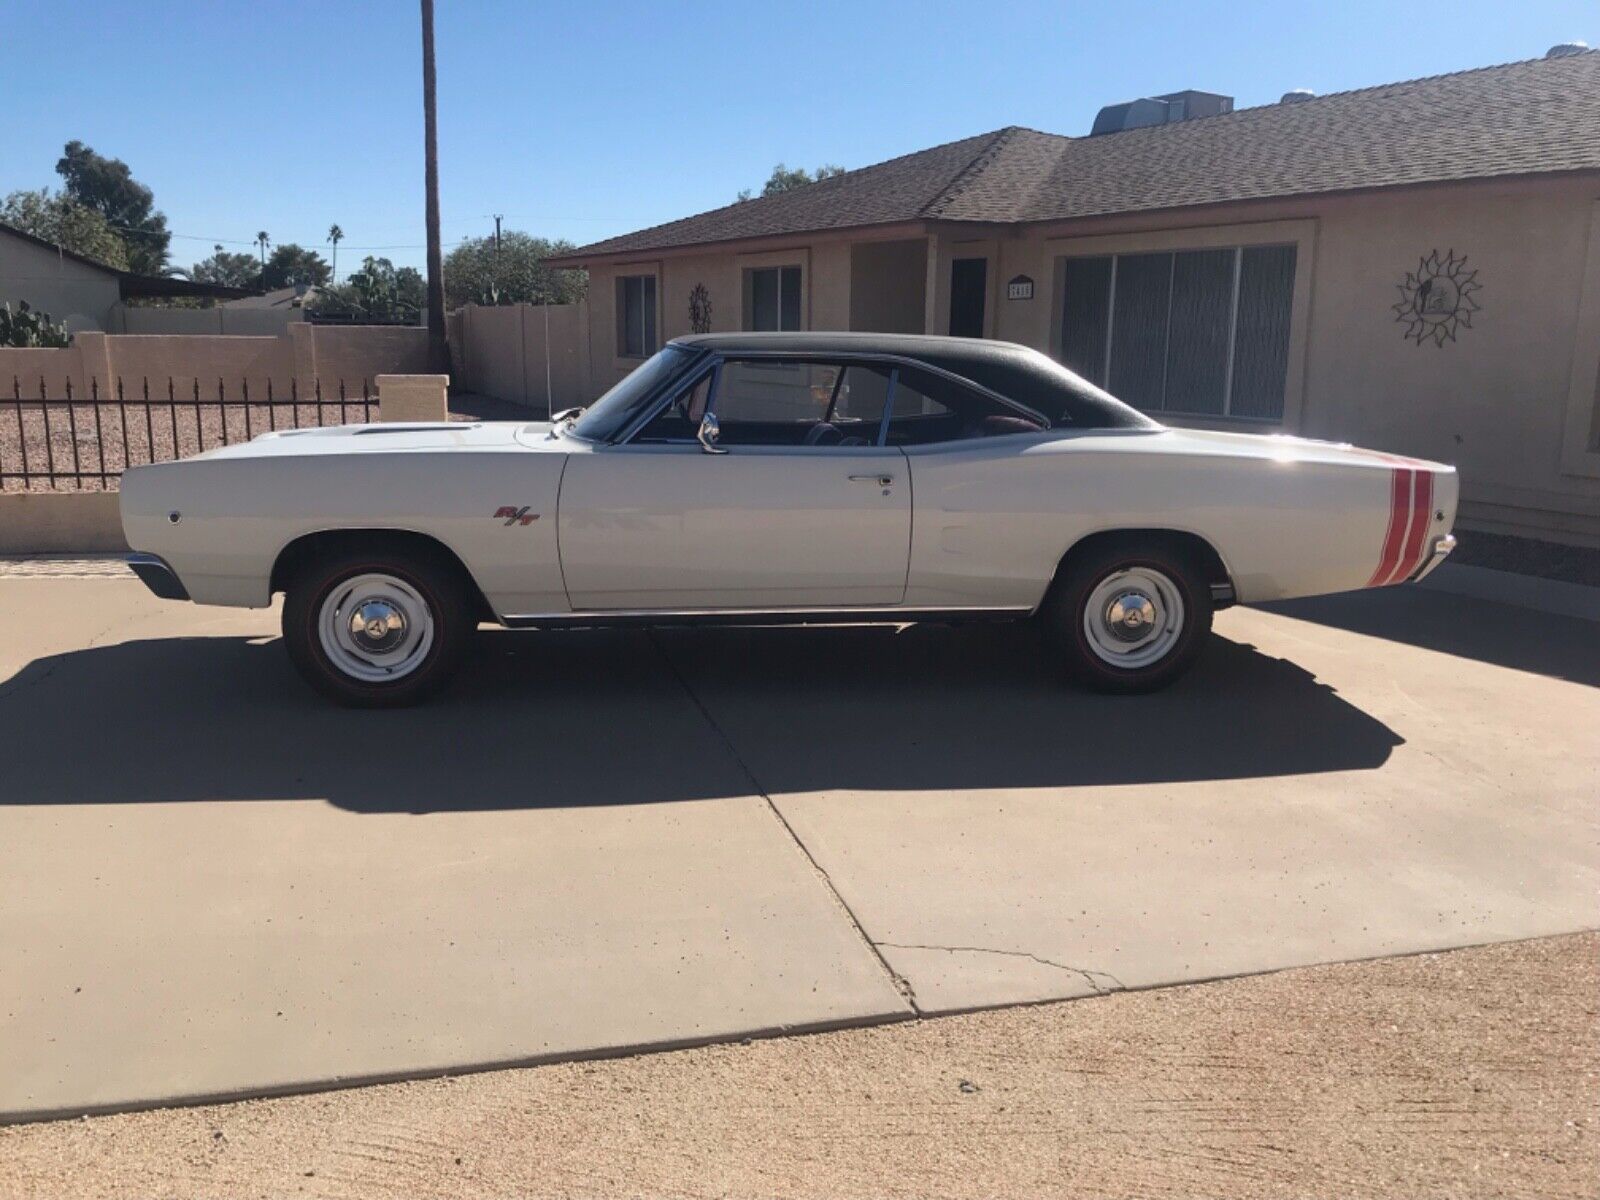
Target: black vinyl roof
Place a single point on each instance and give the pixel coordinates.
(1018, 373)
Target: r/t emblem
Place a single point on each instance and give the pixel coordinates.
(516, 516)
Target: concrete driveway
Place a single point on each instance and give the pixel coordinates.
(213, 884)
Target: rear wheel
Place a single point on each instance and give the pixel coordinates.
(376, 630)
(1130, 616)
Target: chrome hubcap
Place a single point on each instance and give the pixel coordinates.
(1133, 618)
(376, 628)
(1130, 615)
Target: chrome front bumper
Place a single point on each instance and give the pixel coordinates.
(158, 576)
(1441, 551)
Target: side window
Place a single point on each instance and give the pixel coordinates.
(636, 316)
(773, 402)
(930, 408)
(772, 299)
(680, 420)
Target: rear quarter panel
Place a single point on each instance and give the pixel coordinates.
(237, 515)
(992, 519)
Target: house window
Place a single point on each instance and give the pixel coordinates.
(772, 299)
(1202, 332)
(636, 316)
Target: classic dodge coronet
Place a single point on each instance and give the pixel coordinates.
(781, 478)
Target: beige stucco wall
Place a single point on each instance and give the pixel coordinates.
(219, 318)
(78, 295)
(60, 522)
(888, 285)
(352, 353)
(529, 354)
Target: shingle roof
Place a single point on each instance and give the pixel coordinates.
(1532, 117)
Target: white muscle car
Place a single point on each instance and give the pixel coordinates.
(781, 478)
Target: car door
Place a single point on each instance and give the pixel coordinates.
(802, 509)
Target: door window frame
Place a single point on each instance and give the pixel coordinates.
(890, 362)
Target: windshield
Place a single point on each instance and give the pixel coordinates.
(608, 416)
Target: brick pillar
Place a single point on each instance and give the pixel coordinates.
(413, 397)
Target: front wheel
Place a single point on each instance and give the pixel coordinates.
(376, 630)
(1129, 618)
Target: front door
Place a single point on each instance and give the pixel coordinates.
(805, 510)
(969, 289)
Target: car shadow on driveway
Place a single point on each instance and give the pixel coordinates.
(1525, 640)
(631, 717)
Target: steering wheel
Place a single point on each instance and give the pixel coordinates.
(824, 433)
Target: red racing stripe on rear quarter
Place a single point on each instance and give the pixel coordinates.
(1421, 511)
(1399, 517)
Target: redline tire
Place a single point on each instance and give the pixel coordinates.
(1130, 616)
(377, 630)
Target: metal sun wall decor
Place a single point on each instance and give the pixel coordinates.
(1436, 299)
(699, 309)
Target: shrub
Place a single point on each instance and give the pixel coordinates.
(25, 327)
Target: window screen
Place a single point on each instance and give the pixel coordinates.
(772, 299)
(636, 316)
(1261, 347)
(1187, 331)
(1140, 298)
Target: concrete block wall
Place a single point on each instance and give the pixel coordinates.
(530, 354)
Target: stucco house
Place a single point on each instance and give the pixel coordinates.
(79, 292)
(1414, 267)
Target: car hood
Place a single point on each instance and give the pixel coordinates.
(397, 438)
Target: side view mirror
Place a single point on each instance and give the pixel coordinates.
(710, 431)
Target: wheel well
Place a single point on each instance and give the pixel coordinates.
(307, 549)
(1200, 551)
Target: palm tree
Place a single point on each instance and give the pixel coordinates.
(261, 240)
(438, 345)
(334, 236)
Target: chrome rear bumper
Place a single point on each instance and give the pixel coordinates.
(157, 576)
(1441, 551)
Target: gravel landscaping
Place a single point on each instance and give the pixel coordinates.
(109, 437)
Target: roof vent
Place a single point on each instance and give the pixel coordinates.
(1160, 110)
(1567, 50)
(1297, 95)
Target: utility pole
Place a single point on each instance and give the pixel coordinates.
(438, 344)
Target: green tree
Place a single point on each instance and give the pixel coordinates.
(784, 179)
(476, 273)
(107, 186)
(377, 292)
(62, 220)
(335, 236)
(227, 268)
(291, 264)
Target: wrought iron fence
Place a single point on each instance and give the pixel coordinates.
(84, 443)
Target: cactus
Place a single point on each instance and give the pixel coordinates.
(25, 327)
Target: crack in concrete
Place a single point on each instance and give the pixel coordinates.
(1092, 978)
(901, 984)
(16, 685)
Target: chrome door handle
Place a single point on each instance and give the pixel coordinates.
(880, 480)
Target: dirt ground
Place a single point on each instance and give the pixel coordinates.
(1470, 1073)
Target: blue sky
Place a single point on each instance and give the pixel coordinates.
(588, 119)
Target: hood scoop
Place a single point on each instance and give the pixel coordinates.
(372, 430)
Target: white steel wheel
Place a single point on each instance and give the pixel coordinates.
(375, 628)
(1133, 618)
